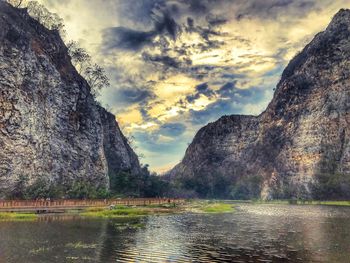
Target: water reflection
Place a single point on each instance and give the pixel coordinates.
(264, 233)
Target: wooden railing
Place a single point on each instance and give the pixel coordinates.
(71, 204)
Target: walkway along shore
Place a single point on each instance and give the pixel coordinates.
(41, 206)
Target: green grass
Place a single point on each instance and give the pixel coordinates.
(211, 206)
(192, 206)
(119, 211)
(338, 203)
(9, 216)
(217, 208)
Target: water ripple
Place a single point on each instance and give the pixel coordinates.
(255, 233)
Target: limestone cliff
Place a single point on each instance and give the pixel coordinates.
(51, 128)
(304, 132)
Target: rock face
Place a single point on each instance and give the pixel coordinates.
(51, 128)
(304, 132)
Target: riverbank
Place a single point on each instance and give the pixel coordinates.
(187, 207)
(288, 202)
(303, 202)
(120, 211)
(8, 216)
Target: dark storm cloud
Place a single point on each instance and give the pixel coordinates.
(144, 110)
(204, 89)
(200, 89)
(137, 11)
(229, 100)
(134, 95)
(231, 76)
(227, 89)
(216, 72)
(164, 18)
(269, 9)
(127, 96)
(165, 23)
(206, 33)
(125, 38)
(198, 6)
(215, 20)
(236, 95)
(211, 113)
(140, 10)
(172, 129)
(211, 28)
(164, 60)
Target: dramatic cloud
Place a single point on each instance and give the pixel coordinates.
(176, 65)
(172, 129)
(124, 38)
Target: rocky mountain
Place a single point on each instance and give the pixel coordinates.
(298, 147)
(51, 128)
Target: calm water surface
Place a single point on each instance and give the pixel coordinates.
(256, 233)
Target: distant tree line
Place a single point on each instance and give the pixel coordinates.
(335, 186)
(42, 187)
(143, 184)
(326, 186)
(122, 184)
(216, 185)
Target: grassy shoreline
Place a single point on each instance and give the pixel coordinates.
(188, 207)
(197, 206)
(300, 202)
(15, 216)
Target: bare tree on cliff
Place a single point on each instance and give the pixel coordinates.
(16, 3)
(40, 13)
(94, 74)
(96, 77)
(80, 58)
(44, 16)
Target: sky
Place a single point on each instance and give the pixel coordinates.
(176, 65)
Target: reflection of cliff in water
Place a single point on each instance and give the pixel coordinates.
(53, 239)
(118, 237)
(330, 237)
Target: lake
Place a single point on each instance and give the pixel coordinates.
(254, 233)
